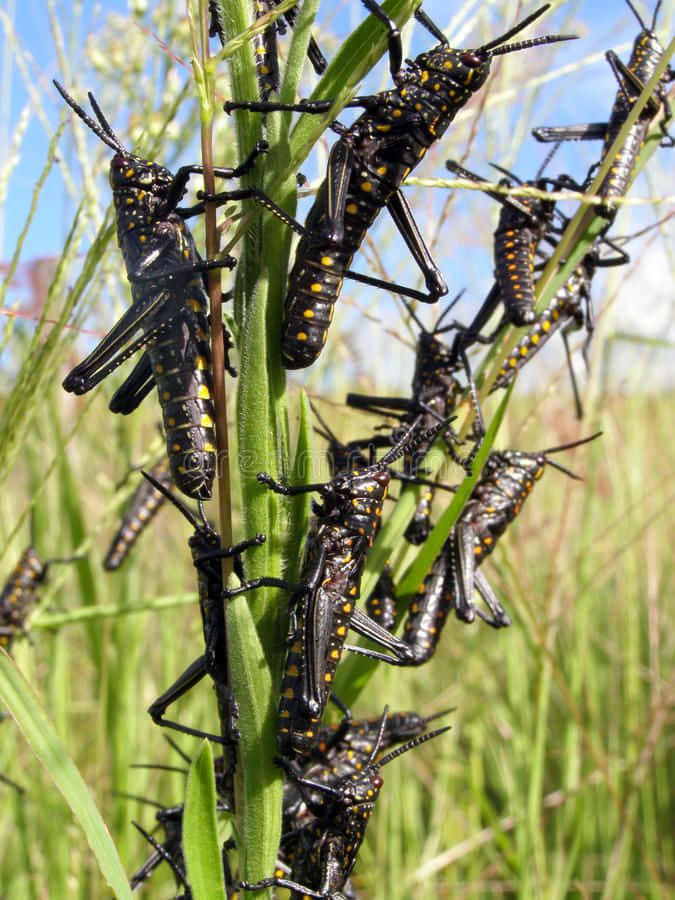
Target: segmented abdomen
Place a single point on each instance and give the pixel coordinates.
(514, 247)
(419, 526)
(615, 183)
(19, 595)
(381, 605)
(317, 274)
(380, 166)
(265, 52)
(143, 507)
(429, 610)
(565, 305)
(181, 364)
(498, 499)
(645, 56)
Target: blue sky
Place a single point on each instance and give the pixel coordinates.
(583, 94)
(32, 26)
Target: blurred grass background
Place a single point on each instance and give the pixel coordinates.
(555, 780)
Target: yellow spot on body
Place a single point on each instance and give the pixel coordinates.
(366, 186)
(308, 314)
(327, 261)
(301, 336)
(206, 421)
(351, 208)
(204, 393)
(200, 363)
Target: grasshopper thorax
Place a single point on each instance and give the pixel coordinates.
(132, 172)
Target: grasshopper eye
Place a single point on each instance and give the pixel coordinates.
(471, 59)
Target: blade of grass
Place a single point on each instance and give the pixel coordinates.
(45, 743)
(201, 846)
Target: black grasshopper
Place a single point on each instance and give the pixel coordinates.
(265, 44)
(632, 78)
(345, 748)
(434, 396)
(341, 749)
(366, 168)
(380, 606)
(20, 593)
(142, 508)
(169, 308)
(505, 484)
(322, 853)
(169, 850)
(524, 222)
(323, 605)
(207, 555)
(569, 310)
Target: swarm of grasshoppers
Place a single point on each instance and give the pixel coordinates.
(332, 771)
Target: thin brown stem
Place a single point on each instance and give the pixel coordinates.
(215, 302)
(217, 342)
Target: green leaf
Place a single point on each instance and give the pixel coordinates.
(201, 846)
(299, 506)
(39, 732)
(432, 546)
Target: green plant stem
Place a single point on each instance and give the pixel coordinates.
(205, 83)
(253, 621)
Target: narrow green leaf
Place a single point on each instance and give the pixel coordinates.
(303, 471)
(39, 732)
(297, 52)
(260, 829)
(48, 620)
(201, 846)
(432, 546)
